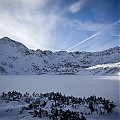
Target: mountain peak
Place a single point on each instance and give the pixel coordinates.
(16, 58)
(13, 43)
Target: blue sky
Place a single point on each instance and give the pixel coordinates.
(72, 25)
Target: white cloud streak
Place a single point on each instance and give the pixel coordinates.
(81, 25)
(93, 36)
(116, 35)
(75, 7)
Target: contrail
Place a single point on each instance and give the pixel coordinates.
(93, 35)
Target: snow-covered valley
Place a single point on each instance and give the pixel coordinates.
(71, 85)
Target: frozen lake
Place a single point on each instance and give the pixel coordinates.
(80, 86)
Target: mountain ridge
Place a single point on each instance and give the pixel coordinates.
(16, 58)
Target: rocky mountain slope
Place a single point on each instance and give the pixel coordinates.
(16, 58)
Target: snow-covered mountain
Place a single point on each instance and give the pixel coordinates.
(16, 58)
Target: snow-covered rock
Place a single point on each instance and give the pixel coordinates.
(16, 58)
(55, 106)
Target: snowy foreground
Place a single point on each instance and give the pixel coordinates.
(76, 93)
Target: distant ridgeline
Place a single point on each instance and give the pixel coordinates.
(55, 106)
(17, 59)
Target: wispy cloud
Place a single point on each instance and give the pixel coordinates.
(116, 35)
(26, 22)
(33, 29)
(81, 25)
(21, 23)
(86, 26)
(75, 7)
(33, 3)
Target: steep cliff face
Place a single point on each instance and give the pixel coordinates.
(16, 58)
